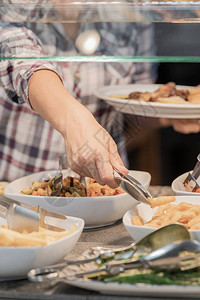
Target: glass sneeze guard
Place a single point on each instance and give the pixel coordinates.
(54, 12)
(100, 11)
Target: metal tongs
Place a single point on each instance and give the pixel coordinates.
(21, 218)
(194, 175)
(57, 183)
(180, 255)
(133, 187)
(156, 239)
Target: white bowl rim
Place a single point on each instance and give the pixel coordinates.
(126, 217)
(179, 179)
(78, 229)
(94, 198)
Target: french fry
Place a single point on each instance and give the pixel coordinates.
(167, 213)
(195, 227)
(136, 220)
(187, 215)
(161, 209)
(42, 237)
(161, 200)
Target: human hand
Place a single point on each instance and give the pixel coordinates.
(185, 126)
(90, 149)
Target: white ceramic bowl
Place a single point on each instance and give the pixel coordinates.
(15, 262)
(179, 188)
(146, 212)
(95, 211)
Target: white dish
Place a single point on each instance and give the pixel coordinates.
(147, 109)
(96, 211)
(113, 288)
(179, 188)
(146, 212)
(15, 262)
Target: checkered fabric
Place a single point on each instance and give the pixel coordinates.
(27, 142)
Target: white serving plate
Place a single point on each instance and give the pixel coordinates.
(95, 211)
(162, 291)
(147, 109)
(16, 262)
(178, 186)
(146, 212)
(114, 288)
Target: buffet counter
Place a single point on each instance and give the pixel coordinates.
(114, 235)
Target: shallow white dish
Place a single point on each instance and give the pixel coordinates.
(147, 109)
(15, 262)
(96, 211)
(162, 291)
(179, 188)
(146, 212)
(114, 288)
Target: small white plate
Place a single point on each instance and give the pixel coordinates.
(179, 188)
(147, 109)
(146, 212)
(16, 262)
(95, 211)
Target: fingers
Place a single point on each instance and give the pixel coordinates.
(92, 157)
(82, 172)
(115, 158)
(186, 126)
(106, 172)
(94, 171)
(79, 165)
(96, 166)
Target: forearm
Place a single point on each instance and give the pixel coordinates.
(52, 101)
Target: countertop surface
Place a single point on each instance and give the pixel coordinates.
(112, 235)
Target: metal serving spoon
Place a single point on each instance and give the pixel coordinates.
(156, 239)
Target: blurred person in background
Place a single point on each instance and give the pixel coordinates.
(48, 108)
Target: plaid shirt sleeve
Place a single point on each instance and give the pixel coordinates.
(24, 10)
(15, 74)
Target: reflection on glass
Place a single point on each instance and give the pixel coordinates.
(72, 31)
(100, 11)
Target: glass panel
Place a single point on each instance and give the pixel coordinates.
(100, 11)
(99, 31)
(101, 42)
(114, 59)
